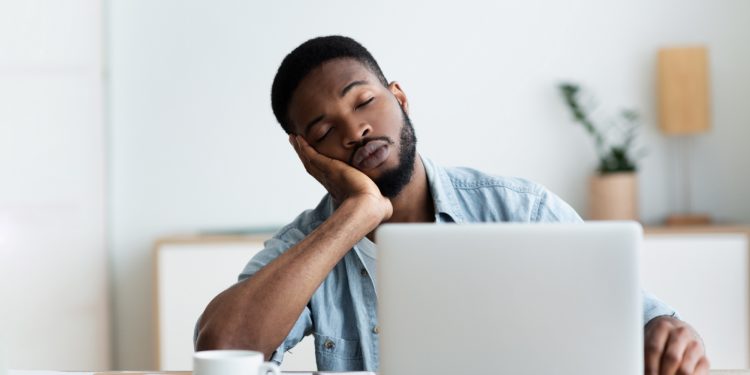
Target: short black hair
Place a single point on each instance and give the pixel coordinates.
(308, 56)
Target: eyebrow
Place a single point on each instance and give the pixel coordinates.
(351, 86)
(343, 93)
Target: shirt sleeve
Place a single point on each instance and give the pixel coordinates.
(654, 307)
(272, 249)
(302, 328)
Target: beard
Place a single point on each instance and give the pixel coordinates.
(392, 181)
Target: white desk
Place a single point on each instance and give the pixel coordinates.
(16, 372)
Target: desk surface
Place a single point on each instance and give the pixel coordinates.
(25, 372)
(713, 372)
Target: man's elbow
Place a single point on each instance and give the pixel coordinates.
(206, 340)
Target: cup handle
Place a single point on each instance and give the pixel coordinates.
(267, 367)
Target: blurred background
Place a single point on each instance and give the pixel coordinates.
(125, 121)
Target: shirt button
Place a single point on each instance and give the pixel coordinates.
(329, 344)
(375, 330)
(363, 272)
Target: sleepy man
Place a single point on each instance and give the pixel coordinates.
(351, 130)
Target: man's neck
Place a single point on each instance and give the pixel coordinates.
(414, 204)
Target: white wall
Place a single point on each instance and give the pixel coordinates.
(53, 265)
(195, 144)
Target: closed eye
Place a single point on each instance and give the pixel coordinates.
(321, 138)
(366, 102)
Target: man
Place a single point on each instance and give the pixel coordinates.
(351, 130)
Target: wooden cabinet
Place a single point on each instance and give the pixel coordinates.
(703, 272)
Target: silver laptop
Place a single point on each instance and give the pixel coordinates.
(510, 299)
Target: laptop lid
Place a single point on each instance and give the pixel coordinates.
(510, 299)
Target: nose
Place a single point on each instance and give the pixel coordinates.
(355, 132)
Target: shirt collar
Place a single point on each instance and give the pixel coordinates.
(443, 193)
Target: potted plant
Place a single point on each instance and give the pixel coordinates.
(614, 187)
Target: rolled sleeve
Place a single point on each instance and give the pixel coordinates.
(654, 307)
(302, 328)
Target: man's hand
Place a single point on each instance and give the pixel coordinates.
(340, 179)
(673, 347)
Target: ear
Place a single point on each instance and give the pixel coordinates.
(395, 88)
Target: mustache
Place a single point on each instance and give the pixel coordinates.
(365, 141)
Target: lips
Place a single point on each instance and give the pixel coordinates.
(371, 155)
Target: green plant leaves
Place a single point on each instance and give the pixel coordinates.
(614, 154)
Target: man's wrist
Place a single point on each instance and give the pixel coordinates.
(662, 316)
(375, 208)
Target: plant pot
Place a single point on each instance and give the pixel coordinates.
(614, 196)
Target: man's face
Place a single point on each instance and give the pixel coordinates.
(345, 113)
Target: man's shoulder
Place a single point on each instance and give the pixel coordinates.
(307, 221)
(288, 236)
(481, 196)
(465, 178)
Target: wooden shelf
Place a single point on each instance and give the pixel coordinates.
(697, 229)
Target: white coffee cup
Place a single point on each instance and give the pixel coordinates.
(232, 362)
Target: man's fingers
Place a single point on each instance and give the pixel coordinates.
(656, 339)
(673, 347)
(306, 148)
(317, 165)
(693, 354)
(303, 156)
(674, 350)
(295, 144)
(317, 160)
(702, 367)
(340, 179)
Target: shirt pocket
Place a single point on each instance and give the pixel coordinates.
(337, 354)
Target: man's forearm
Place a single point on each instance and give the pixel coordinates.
(259, 312)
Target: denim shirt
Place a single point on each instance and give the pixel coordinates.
(342, 314)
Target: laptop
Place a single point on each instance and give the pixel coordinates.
(510, 299)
